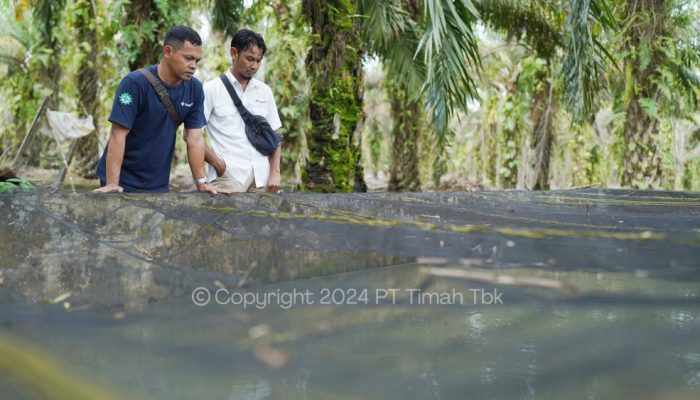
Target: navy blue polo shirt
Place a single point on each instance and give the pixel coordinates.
(150, 144)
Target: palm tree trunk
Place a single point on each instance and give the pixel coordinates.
(47, 15)
(139, 12)
(542, 116)
(404, 172)
(642, 161)
(288, 81)
(509, 140)
(488, 142)
(87, 150)
(334, 66)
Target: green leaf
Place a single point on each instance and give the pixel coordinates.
(8, 187)
(650, 107)
(644, 56)
(25, 186)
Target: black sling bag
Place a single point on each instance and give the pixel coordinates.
(259, 132)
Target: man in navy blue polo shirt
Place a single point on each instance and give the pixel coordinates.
(140, 150)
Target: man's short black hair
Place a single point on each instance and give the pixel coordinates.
(179, 34)
(245, 39)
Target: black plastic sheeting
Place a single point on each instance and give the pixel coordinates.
(123, 251)
(600, 295)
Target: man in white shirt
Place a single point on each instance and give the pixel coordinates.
(237, 165)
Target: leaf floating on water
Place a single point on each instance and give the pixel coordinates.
(473, 262)
(145, 252)
(259, 331)
(502, 279)
(432, 260)
(119, 315)
(60, 298)
(271, 357)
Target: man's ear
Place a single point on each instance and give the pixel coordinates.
(234, 53)
(167, 51)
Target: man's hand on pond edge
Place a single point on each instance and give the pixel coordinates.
(110, 188)
(205, 187)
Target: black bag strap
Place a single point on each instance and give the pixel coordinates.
(236, 100)
(163, 96)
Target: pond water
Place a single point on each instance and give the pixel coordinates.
(501, 295)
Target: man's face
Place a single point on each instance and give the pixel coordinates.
(246, 62)
(183, 61)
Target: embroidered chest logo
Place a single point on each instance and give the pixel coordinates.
(125, 99)
(183, 104)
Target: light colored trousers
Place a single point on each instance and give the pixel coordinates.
(226, 181)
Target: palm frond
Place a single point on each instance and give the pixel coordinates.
(433, 55)
(583, 63)
(226, 15)
(689, 76)
(601, 11)
(390, 33)
(526, 20)
(46, 15)
(384, 21)
(451, 56)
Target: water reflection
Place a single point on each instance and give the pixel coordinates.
(531, 350)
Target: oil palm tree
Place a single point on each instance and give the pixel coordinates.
(285, 73)
(146, 18)
(16, 41)
(334, 68)
(659, 54)
(430, 49)
(538, 26)
(87, 150)
(46, 15)
(226, 15)
(430, 53)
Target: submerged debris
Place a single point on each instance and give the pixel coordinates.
(502, 279)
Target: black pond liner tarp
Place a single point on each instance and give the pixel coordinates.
(121, 251)
(601, 294)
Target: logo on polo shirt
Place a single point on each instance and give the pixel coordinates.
(125, 99)
(183, 104)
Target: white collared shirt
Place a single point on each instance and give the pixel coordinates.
(226, 128)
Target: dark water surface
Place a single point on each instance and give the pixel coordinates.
(501, 295)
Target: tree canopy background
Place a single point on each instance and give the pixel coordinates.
(404, 95)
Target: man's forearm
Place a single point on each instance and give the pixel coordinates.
(209, 156)
(115, 157)
(195, 153)
(275, 178)
(275, 159)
